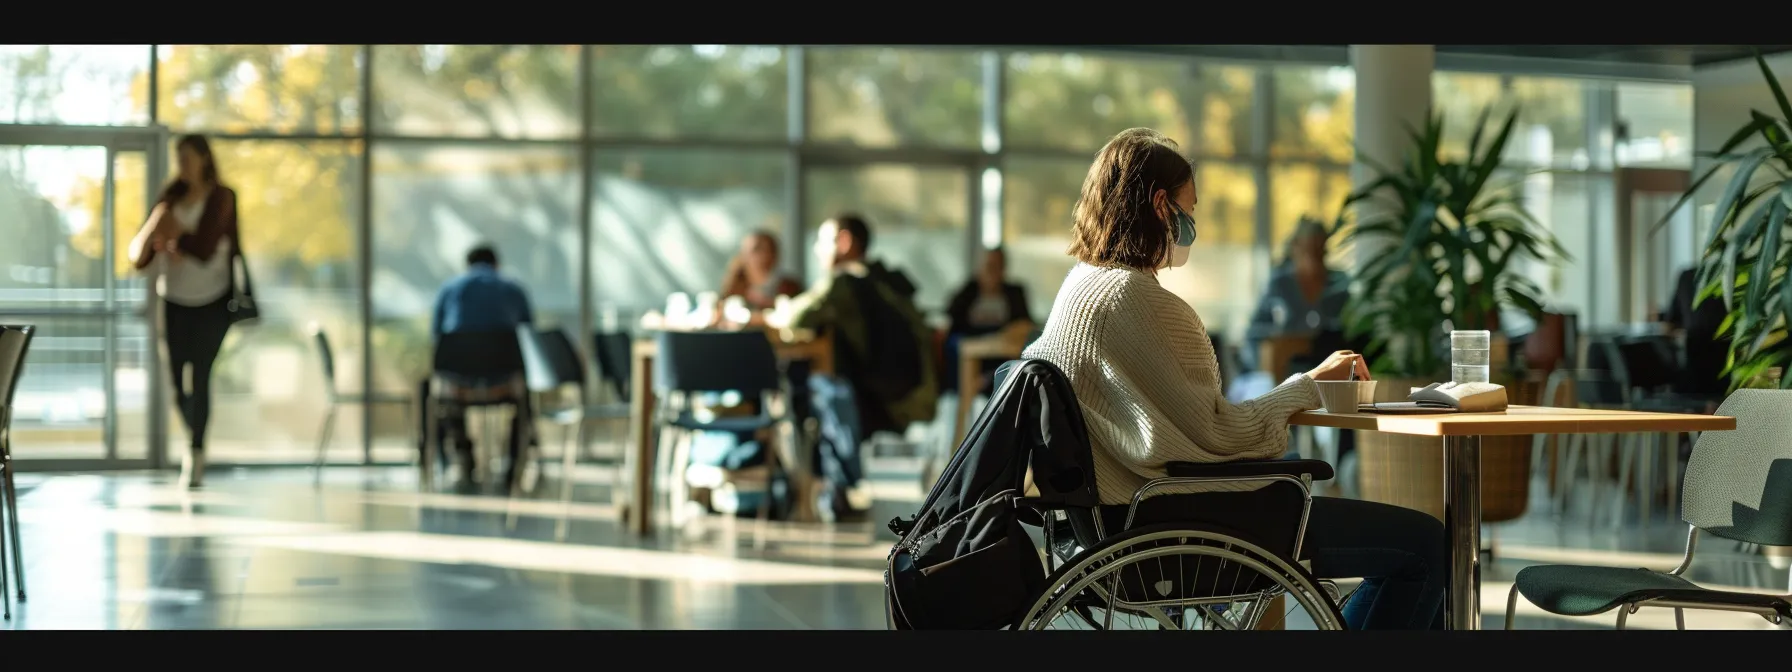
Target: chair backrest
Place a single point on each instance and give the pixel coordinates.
(549, 359)
(15, 341)
(325, 356)
(615, 360)
(1739, 483)
(483, 356)
(1645, 362)
(716, 361)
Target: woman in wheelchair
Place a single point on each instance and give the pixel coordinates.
(1144, 372)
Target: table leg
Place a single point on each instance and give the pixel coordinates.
(1462, 521)
(638, 509)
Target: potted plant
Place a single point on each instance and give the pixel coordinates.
(1452, 241)
(1746, 258)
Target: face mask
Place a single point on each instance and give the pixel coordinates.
(1185, 236)
(1185, 226)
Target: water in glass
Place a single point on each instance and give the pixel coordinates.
(1470, 356)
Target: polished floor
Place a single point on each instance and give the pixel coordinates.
(363, 549)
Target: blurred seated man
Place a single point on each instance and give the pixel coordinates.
(882, 350)
(481, 300)
(987, 304)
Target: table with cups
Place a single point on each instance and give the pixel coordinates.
(1462, 434)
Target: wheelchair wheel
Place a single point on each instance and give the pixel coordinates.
(1177, 577)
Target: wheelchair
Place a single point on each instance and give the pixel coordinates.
(1162, 567)
(1206, 547)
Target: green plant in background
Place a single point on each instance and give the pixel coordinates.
(1748, 242)
(1445, 243)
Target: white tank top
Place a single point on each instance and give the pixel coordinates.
(190, 281)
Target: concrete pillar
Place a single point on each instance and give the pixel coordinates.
(1393, 93)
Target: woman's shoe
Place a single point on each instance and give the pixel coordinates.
(192, 469)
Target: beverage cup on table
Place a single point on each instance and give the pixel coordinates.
(1345, 396)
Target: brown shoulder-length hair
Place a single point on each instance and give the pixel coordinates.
(1116, 222)
(734, 280)
(177, 188)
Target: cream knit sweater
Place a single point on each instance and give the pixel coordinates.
(1145, 374)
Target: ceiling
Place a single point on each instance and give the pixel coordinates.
(1662, 55)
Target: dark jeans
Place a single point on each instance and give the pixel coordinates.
(195, 334)
(1400, 554)
(838, 457)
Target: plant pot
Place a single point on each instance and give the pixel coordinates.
(1408, 471)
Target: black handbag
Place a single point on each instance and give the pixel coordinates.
(242, 305)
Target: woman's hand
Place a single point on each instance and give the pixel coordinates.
(1339, 365)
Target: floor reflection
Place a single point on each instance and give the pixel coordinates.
(362, 549)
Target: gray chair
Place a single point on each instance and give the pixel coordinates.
(15, 342)
(1738, 486)
(327, 358)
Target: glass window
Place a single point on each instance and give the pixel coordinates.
(669, 220)
(54, 258)
(1039, 195)
(1552, 123)
(95, 85)
(918, 217)
(1315, 112)
(477, 90)
(887, 97)
(1077, 102)
(1657, 119)
(240, 88)
(434, 202)
(685, 91)
(298, 210)
(1578, 209)
(1297, 190)
(1461, 97)
(1224, 273)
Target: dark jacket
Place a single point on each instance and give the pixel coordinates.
(1705, 354)
(960, 308)
(963, 561)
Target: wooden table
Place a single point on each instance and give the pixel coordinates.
(972, 353)
(637, 497)
(1462, 468)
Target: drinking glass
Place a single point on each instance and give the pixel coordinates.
(1470, 356)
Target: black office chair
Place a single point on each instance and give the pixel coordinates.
(691, 363)
(613, 353)
(475, 370)
(327, 360)
(550, 363)
(15, 342)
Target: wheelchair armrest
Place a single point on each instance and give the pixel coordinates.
(1318, 470)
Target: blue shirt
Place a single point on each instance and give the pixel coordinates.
(480, 300)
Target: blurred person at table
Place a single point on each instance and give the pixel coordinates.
(753, 274)
(1145, 375)
(193, 230)
(481, 300)
(1304, 296)
(987, 304)
(1704, 353)
(884, 373)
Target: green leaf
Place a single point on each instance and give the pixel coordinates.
(1779, 94)
(1770, 254)
(1745, 173)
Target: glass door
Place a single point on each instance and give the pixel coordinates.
(70, 201)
